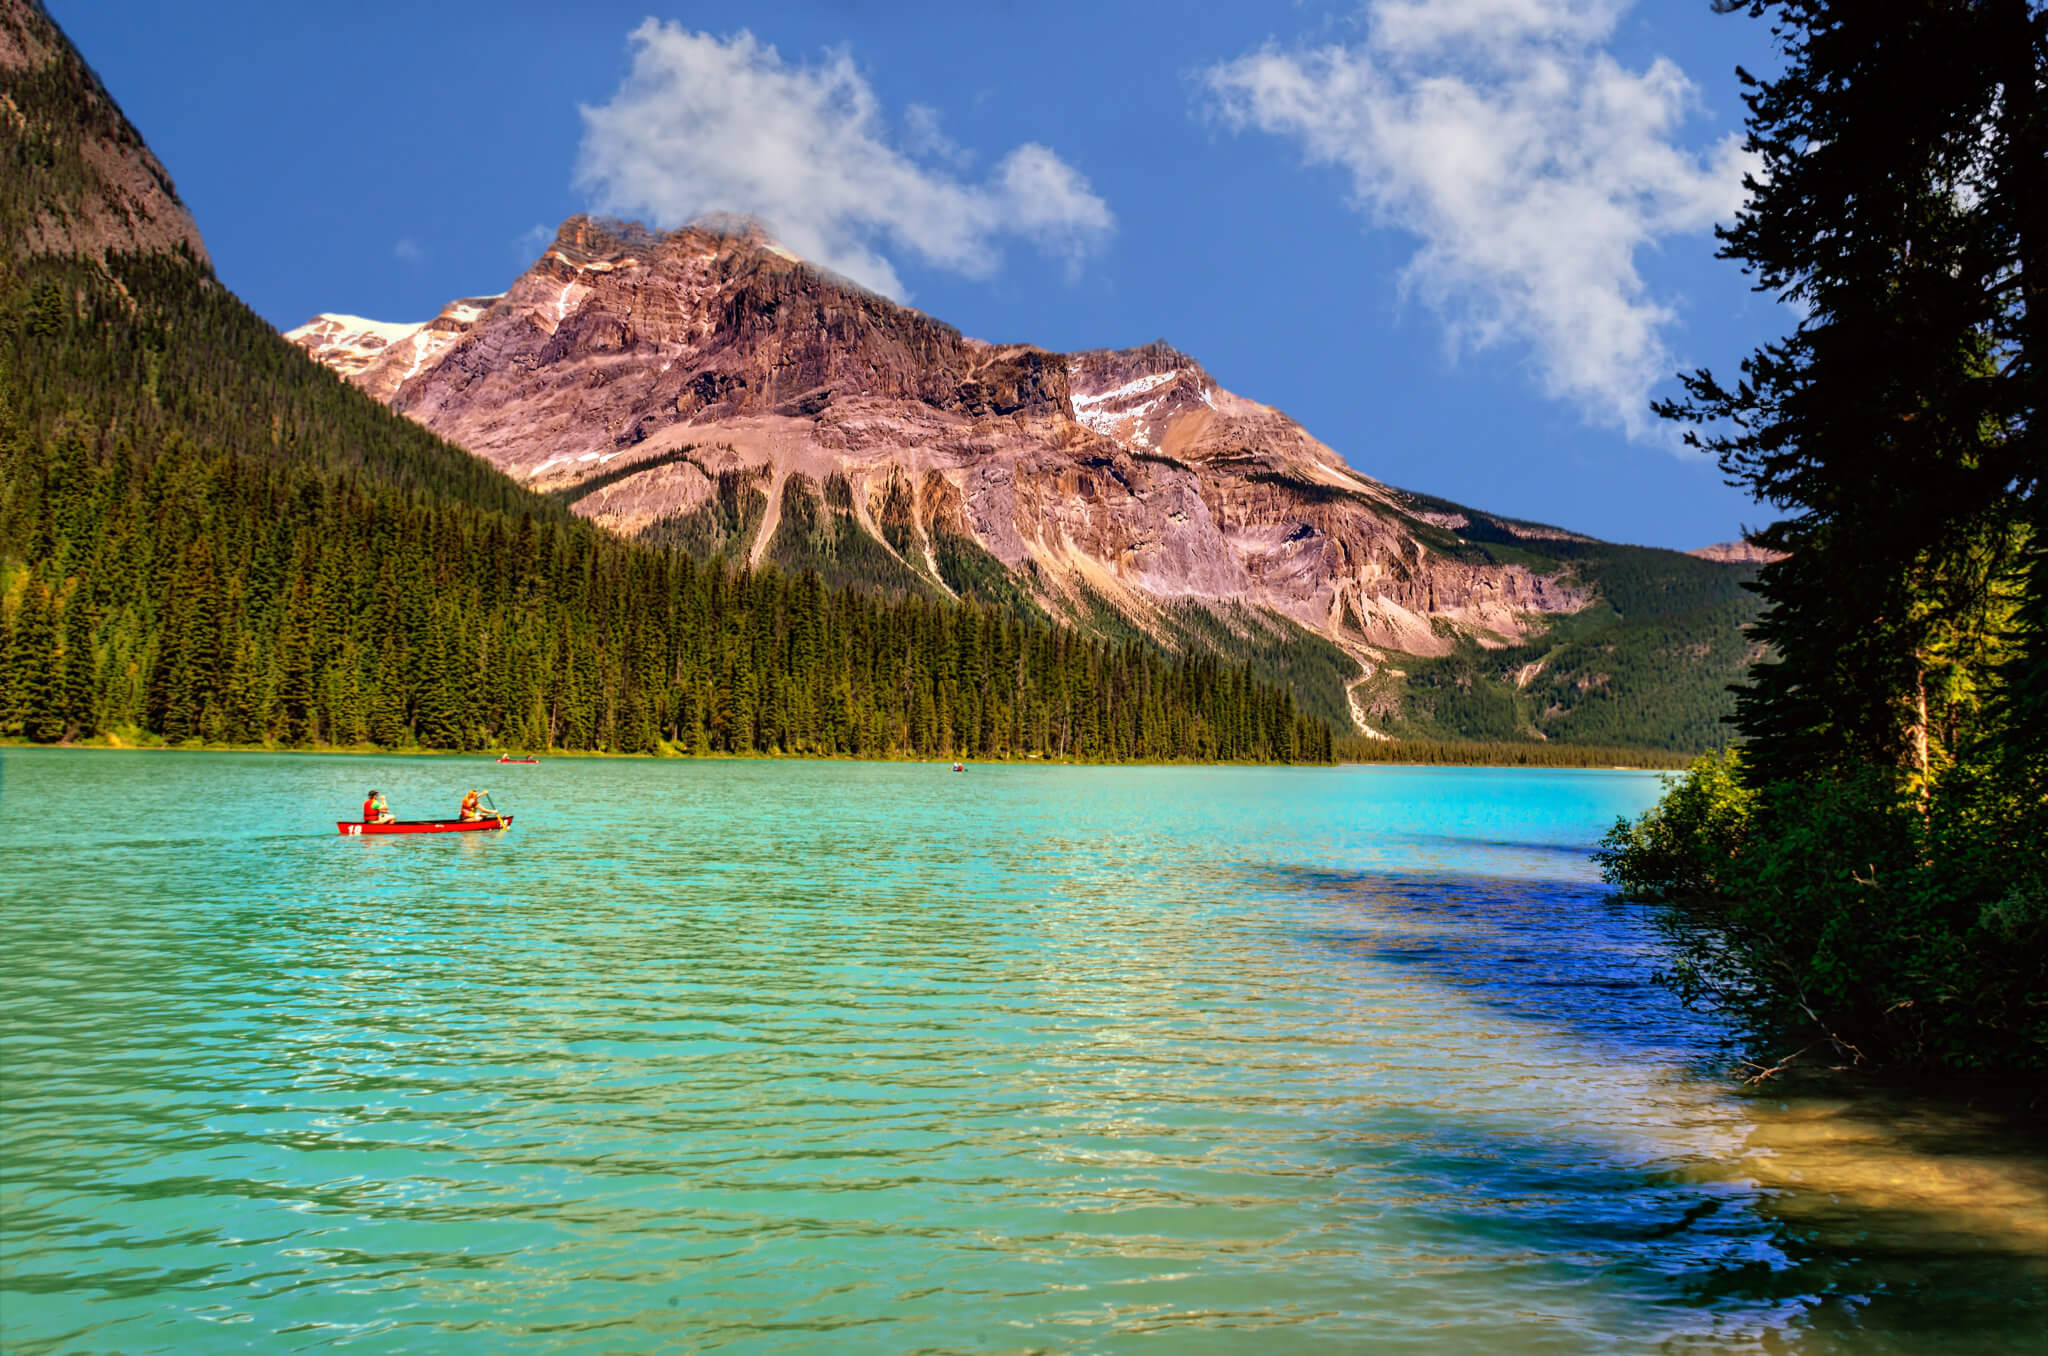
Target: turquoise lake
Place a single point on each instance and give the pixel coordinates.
(782, 1056)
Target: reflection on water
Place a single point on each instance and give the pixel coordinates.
(843, 1057)
(1928, 1225)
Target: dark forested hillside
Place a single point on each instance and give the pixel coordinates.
(1649, 665)
(205, 536)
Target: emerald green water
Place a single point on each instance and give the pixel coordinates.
(873, 1058)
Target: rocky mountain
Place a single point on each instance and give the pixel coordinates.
(82, 182)
(706, 387)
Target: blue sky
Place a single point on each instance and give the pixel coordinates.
(1458, 239)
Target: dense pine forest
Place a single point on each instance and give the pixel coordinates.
(206, 537)
(1865, 880)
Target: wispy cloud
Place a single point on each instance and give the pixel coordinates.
(409, 251)
(704, 124)
(1531, 165)
(923, 136)
(530, 242)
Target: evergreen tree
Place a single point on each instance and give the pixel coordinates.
(48, 312)
(387, 699)
(1894, 422)
(38, 691)
(80, 676)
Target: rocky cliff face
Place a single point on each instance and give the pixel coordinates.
(1737, 553)
(637, 371)
(87, 187)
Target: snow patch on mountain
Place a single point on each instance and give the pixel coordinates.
(350, 343)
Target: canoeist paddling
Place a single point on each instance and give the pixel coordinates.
(475, 813)
(508, 758)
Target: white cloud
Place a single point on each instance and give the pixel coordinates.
(1530, 164)
(703, 124)
(408, 251)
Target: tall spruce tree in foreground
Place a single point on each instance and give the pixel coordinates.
(1873, 881)
(1896, 424)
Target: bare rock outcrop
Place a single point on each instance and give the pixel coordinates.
(1743, 552)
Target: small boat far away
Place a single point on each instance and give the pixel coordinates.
(508, 758)
(352, 828)
(959, 767)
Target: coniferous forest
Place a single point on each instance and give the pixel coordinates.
(205, 536)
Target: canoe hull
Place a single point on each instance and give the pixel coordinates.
(357, 829)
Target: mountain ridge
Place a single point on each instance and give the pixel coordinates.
(706, 386)
(1126, 474)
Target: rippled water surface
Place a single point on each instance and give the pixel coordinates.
(843, 1057)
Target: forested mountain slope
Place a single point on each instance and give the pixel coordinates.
(1648, 663)
(205, 535)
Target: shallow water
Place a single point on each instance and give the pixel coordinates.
(867, 1057)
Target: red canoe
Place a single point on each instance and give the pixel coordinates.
(354, 828)
(519, 760)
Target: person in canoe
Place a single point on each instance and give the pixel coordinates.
(471, 807)
(375, 811)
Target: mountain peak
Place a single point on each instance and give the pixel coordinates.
(583, 238)
(119, 198)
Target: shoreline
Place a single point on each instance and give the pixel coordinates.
(1603, 763)
(103, 744)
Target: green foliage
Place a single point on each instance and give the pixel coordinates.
(623, 469)
(221, 562)
(971, 572)
(34, 685)
(896, 515)
(1310, 491)
(1647, 665)
(58, 109)
(1831, 915)
(1681, 848)
(820, 531)
(724, 527)
(1275, 649)
(1891, 424)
